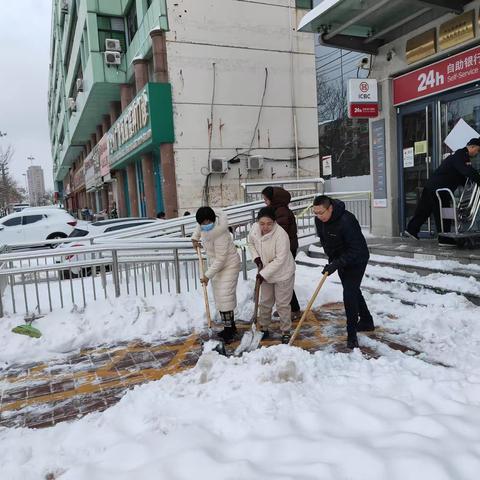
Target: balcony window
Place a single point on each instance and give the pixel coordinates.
(111, 27)
(132, 25)
(305, 4)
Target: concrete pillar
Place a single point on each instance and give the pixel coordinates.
(106, 124)
(99, 132)
(105, 205)
(159, 52)
(149, 185)
(132, 190)
(115, 110)
(140, 69)
(126, 95)
(167, 163)
(121, 200)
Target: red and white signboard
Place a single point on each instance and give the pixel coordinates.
(362, 98)
(444, 75)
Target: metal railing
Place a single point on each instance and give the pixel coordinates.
(305, 186)
(142, 261)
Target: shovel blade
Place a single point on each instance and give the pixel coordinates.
(250, 341)
(27, 330)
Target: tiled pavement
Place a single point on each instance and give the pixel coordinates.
(43, 394)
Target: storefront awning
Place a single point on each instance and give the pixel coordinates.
(365, 25)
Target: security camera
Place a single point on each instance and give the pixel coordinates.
(390, 55)
(364, 63)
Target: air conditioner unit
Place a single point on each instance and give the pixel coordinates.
(218, 165)
(79, 84)
(64, 6)
(112, 58)
(72, 104)
(113, 45)
(255, 162)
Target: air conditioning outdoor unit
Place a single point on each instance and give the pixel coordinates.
(112, 58)
(113, 45)
(218, 165)
(255, 162)
(72, 104)
(79, 84)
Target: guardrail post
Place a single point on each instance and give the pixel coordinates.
(2, 279)
(244, 262)
(176, 264)
(115, 274)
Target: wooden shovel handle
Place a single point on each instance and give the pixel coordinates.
(205, 292)
(309, 306)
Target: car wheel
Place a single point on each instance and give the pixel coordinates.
(55, 236)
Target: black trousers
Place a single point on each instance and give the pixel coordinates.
(427, 205)
(355, 305)
(294, 302)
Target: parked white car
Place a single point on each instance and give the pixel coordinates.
(84, 231)
(35, 225)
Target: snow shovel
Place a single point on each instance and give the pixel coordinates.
(251, 339)
(309, 306)
(220, 348)
(27, 328)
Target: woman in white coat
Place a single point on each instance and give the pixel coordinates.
(270, 249)
(223, 264)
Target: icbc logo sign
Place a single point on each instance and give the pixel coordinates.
(364, 87)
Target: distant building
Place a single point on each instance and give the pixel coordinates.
(36, 185)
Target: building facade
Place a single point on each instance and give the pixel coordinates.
(167, 105)
(426, 59)
(36, 185)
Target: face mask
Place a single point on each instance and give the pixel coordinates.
(207, 228)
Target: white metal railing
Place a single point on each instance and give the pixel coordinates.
(304, 186)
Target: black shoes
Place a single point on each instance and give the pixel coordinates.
(365, 326)
(285, 338)
(352, 341)
(266, 334)
(230, 329)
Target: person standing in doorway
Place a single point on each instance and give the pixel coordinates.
(278, 198)
(344, 244)
(452, 173)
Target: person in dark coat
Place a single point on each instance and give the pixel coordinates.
(452, 173)
(346, 248)
(278, 198)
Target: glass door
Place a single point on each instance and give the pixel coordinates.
(415, 158)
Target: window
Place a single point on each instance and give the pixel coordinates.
(132, 25)
(28, 219)
(121, 227)
(12, 222)
(111, 27)
(78, 232)
(306, 4)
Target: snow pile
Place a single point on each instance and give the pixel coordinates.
(275, 413)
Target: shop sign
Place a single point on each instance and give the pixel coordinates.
(379, 164)
(452, 72)
(89, 168)
(103, 156)
(362, 98)
(144, 124)
(78, 179)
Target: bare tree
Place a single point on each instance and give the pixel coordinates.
(10, 191)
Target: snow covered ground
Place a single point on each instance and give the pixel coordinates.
(276, 413)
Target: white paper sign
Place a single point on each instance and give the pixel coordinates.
(327, 165)
(408, 158)
(362, 90)
(461, 133)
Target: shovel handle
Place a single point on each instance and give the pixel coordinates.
(205, 292)
(257, 300)
(309, 306)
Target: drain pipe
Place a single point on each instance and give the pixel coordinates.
(292, 85)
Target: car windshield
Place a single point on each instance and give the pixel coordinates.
(78, 232)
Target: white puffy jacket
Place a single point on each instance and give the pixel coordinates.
(274, 251)
(223, 262)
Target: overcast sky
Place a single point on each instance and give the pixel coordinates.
(24, 56)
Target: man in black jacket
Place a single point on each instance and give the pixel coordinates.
(344, 244)
(452, 173)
